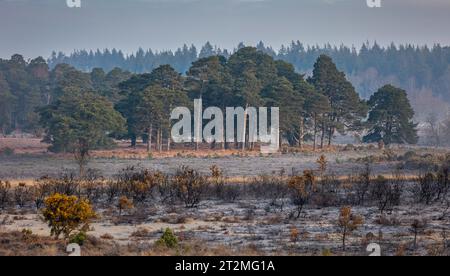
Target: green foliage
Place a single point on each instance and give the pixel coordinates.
(319, 108)
(78, 238)
(427, 67)
(65, 214)
(168, 239)
(390, 117)
(347, 110)
(149, 99)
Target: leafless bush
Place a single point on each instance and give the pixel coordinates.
(347, 223)
(222, 189)
(190, 186)
(112, 190)
(167, 190)
(430, 187)
(326, 193)
(417, 227)
(22, 195)
(443, 179)
(361, 184)
(66, 184)
(92, 185)
(387, 193)
(5, 189)
(301, 189)
(40, 191)
(272, 187)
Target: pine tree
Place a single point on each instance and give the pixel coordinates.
(390, 117)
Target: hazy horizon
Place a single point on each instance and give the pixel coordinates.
(38, 27)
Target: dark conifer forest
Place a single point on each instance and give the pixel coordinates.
(418, 69)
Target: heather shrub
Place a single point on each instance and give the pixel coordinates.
(190, 186)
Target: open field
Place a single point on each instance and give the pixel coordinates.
(254, 215)
(31, 160)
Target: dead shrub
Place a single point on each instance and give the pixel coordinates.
(386, 193)
(272, 187)
(140, 233)
(223, 190)
(301, 189)
(92, 185)
(5, 190)
(431, 187)
(39, 191)
(66, 184)
(124, 204)
(347, 223)
(106, 237)
(418, 226)
(136, 183)
(326, 193)
(22, 195)
(361, 184)
(190, 186)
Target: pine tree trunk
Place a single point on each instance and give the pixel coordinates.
(301, 133)
(330, 135)
(149, 139)
(323, 136)
(315, 132)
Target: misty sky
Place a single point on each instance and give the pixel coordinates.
(36, 27)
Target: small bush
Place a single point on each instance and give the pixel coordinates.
(417, 227)
(272, 187)
(431, 187)
(124, 204)
(168, 239)
(301, 189)
(22, 195)
(294, 235)
(136, 183)
(386, 193)
(5, 189)
(323, 164)
(79, 238)
(347, 223)
(361, 185)
(190, 186)
(65, 214)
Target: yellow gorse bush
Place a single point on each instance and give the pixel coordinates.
(65, 214)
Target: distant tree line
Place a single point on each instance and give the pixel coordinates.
(406, 66)
(77, 111)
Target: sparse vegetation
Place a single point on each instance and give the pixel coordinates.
(314, 198)
(301, 188)
(5, 188)
(347, 223)
(190, 186)
(417, 227)
(124, 204)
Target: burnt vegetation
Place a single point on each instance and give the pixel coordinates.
(286, 198)
(285, 193)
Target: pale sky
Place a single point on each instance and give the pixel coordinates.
(37, 27)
